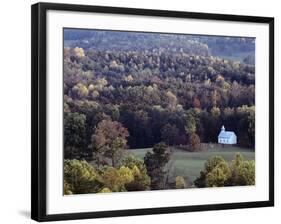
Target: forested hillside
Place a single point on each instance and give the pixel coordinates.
(241, 49)
(156, 95)
(125, 90)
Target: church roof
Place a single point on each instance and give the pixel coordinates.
(226, 134)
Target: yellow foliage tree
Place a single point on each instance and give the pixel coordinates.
(172, 99)
(79, 52)
(105, 190)
(180, 182)
(115, 179)
(80, 90)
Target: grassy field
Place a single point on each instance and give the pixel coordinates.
(189, 164)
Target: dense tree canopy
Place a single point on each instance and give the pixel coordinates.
(80, 177)
(157, 95)
(218, 173)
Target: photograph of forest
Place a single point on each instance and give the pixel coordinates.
(157, 111)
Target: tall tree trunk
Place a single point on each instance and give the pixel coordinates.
(98, 161)
(113, 159)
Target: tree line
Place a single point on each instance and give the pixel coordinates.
(101, 40)
(131, 174)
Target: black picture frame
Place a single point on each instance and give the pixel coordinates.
(39, 107)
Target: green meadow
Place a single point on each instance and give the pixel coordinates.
(189, 164)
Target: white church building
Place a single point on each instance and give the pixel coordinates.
(227, 137)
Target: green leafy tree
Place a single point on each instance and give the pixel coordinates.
(141, 179)
(219, 175)
(196, 103)
(74, 135)
(251, 126)
(246, 173)
(209, 166)
(243, 172)
(170, 134)
(217, 172)
(80, 177)
(155, 162)
(190, 126)
(190, 129)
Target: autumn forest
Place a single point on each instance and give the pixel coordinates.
(143, 111)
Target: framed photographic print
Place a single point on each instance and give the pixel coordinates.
(138, 111)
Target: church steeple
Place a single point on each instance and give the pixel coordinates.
(222, 128)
